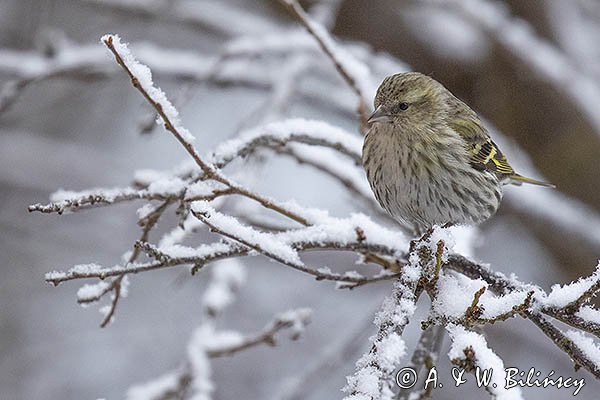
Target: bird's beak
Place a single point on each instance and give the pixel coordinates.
(379, 115)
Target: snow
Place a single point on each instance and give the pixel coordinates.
(81, 269)
(267, 242)
(485, 358)
(586, 344)
(589, 314)
(154, 388)
(108, 195)
(296, 129)
(202, 251)
(298, 318)
(563, 295)
(332, 161)
(166, 186)
(222, 340)
(145, 210)
(89, 291)
(374, 370)
(343, 231)
(227, 277)
(455, 295)
(144, 76)
(178, 234)
(358, 71)
(202, 189)
(76, 269)
(200, 367)
(391, 349)
(144, 177)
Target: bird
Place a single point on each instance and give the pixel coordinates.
(429, 158)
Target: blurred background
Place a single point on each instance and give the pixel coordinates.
(70, 119)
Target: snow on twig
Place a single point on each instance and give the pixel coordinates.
(538, 314)
(470, 350)
(283, 247)
(572, 295)
(316, 133)
(355, 73)
(155, 97)
(141, 77)
(373, 378)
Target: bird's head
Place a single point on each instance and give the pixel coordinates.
(410, 100)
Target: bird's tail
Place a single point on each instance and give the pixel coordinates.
(517, 179)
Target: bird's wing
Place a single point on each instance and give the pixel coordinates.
(484, 153)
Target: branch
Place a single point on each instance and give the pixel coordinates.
(470, 350)
(373, 378)
(293, 319)
(502, 284)
(424, 357)
(354, 73)
(156, 98)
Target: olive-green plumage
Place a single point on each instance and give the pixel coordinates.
(428, 157)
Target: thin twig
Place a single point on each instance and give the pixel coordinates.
(327, 45)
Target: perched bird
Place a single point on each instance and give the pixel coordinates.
(428, 157)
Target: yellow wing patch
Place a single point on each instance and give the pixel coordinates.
(487, 156)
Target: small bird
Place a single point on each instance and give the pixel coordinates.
(428, 157)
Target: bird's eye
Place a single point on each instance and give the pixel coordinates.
(403, 106)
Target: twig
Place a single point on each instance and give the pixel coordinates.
(424, 357)
(501, 284)
(328, 47)
(209, 170)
